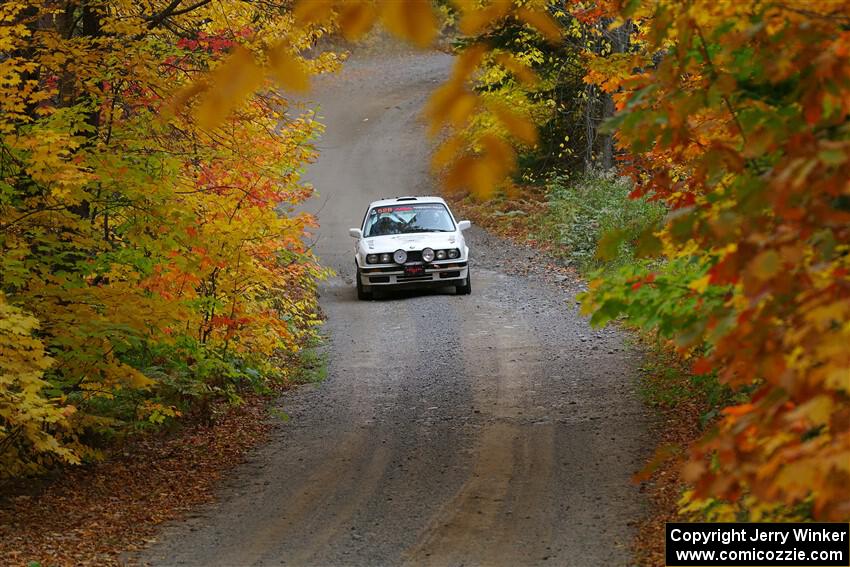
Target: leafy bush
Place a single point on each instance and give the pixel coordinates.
(582, 209)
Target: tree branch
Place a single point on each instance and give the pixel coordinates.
(714, 75)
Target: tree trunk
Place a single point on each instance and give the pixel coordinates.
(590, 124)
(607, 139)
(619, 40)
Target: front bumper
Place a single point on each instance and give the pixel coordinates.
(449, 273)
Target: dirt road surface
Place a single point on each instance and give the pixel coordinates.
(490, 429)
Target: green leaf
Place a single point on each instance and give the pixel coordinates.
(610, 243)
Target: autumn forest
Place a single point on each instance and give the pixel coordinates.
(688, 161)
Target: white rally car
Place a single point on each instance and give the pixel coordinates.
(410, 242)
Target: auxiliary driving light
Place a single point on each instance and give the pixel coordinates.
(428, 255)
(400, 256)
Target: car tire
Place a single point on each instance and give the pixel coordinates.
(362, 293)
(466, 288)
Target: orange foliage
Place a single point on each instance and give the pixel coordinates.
(738, 119)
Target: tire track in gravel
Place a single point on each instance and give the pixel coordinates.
(484, 521)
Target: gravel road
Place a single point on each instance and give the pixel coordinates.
(490, 429)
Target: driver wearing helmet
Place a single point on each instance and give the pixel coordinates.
(430, 220)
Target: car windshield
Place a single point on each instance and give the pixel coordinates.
(406, 219)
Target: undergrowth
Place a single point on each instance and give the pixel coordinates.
(583, 208)
(312, 366)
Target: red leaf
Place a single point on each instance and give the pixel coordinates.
(702, 366)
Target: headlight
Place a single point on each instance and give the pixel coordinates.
(428, 255)
(386, 258)
(454, 253)
(372, 259)
(441, 254)
(400, 256)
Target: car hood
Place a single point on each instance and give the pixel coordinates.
(418, 241)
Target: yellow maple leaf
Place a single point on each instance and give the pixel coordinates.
(518, 125)
(476, 19)
(288, 69)
(542, 22)
(235, 79)
(356, 18)
(413, 20)
(312, 11)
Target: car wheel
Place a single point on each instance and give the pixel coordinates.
(362, 293)
(466, 288)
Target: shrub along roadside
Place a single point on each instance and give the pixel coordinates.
(568, 217)
(582, 209)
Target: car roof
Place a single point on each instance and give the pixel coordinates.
(409, 199)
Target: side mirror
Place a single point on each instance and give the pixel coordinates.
(355, 233)
(464, 224)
